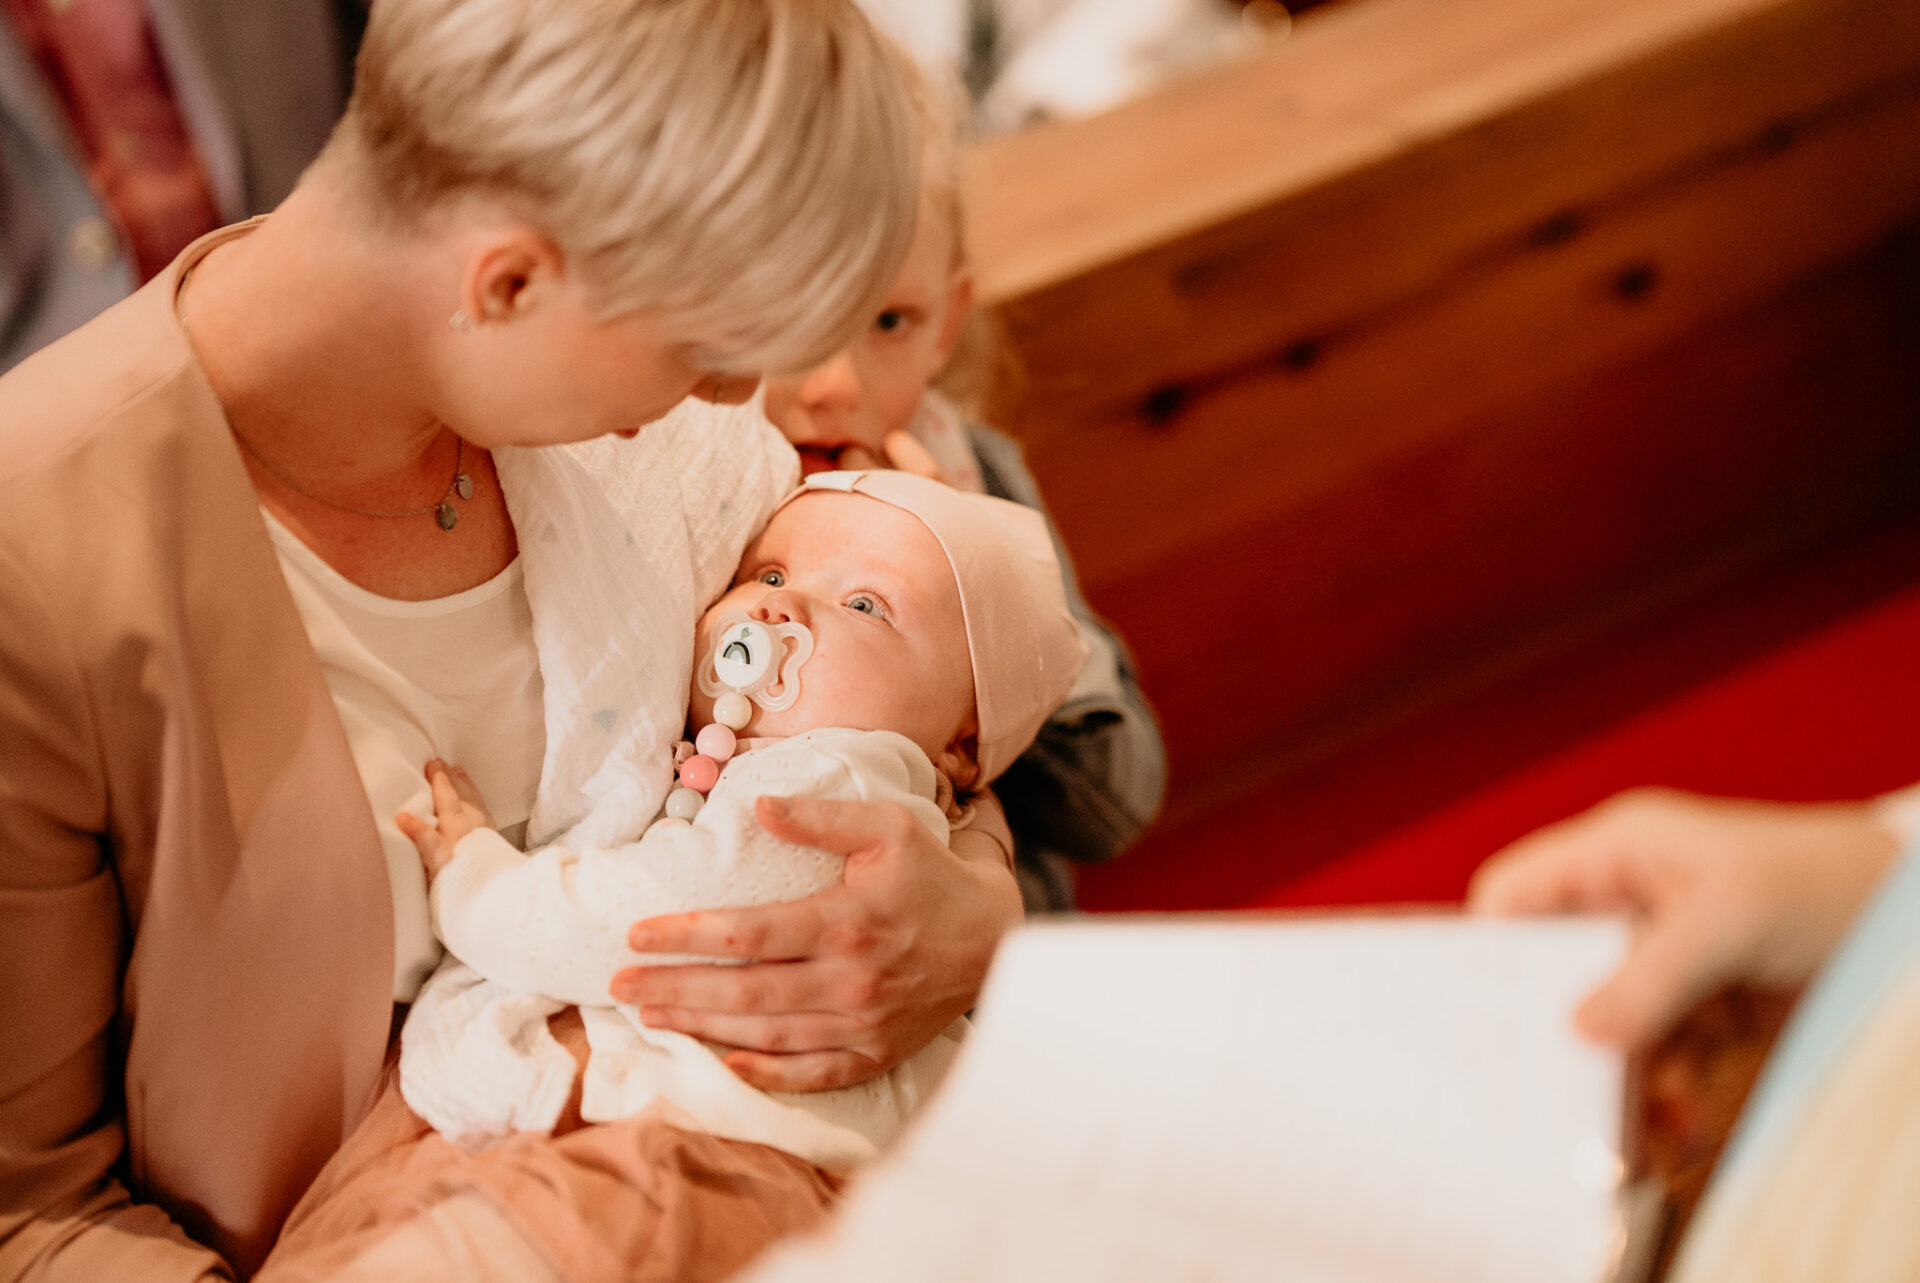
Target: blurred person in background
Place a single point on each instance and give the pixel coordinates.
(130, 128)
(1027, 61)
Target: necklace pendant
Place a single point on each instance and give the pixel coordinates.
(463, 486)
(446, 516)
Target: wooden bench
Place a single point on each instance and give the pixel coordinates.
(1451, 347)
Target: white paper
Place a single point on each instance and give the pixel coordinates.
(1330, 1100)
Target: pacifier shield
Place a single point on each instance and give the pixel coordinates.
(760, 661)
(744, 655)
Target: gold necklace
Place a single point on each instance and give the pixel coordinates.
(442, 508)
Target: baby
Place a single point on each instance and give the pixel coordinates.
(886, 638)
(1093, 779)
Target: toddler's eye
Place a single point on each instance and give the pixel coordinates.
(890, 321)
(771, 578)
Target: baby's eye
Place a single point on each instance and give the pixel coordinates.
(866, 605)
(890, 321)
(771, 578)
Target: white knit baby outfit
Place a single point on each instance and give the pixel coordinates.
(543, 930)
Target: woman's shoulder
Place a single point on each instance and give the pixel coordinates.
(129, 369)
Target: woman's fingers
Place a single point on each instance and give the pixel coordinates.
(797, 1033)
(865, 973)
(767, 932)
(1670, 966)
(851, 829)
(1582, 865)
(814, 1071)
(765, 988)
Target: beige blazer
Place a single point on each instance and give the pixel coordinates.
(195, 927)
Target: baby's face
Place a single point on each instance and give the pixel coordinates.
(872, 585)
(872, 388)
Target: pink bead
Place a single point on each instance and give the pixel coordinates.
(716, 741)
(699, 772)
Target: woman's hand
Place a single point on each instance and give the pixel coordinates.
(1721, 892)
(847, 983)
(458, 809)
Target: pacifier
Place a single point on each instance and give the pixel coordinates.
(751, 663)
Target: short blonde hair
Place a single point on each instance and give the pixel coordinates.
(746, 170)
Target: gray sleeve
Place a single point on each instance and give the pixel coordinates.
(1095, 776)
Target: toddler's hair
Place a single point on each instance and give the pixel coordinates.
(745, 170)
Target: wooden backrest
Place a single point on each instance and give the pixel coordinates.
(1450, 333)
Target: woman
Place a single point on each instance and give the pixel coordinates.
(537, 224)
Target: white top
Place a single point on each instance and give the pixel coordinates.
(548, 928)
(561, 683)
(456, 677)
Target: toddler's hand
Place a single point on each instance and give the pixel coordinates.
(904, 454)
(458, 810)
(898, 452)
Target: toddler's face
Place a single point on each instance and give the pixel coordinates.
(889, 640)
(873, 387)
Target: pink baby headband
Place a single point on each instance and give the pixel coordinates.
(1025, 646)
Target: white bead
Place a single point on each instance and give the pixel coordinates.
(684, 804)
(732, 710)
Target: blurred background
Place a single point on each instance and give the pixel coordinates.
(1469, 408)
(1465, 408)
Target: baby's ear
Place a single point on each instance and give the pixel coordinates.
(959, 761)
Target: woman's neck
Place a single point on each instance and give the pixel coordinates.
(304, 330)
(312, 336)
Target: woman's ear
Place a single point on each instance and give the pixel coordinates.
(510, 272)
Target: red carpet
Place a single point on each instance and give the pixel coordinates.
(1834, 716)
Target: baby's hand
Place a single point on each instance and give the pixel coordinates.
(457, 811)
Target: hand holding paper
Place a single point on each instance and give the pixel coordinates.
(1721, 892)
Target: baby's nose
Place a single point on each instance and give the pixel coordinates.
(781, 606)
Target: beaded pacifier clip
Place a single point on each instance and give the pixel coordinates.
(750, 663)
